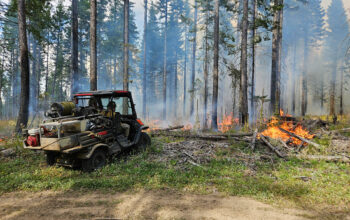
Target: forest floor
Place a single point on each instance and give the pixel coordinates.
(228, 181)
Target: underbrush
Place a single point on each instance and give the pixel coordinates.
(308, 184)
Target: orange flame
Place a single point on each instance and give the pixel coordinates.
(274, 132)
(227, 123)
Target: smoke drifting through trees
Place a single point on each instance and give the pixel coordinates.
(313, 63)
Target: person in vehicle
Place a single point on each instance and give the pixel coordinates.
(110, 112)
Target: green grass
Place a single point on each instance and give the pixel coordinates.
(276, 182)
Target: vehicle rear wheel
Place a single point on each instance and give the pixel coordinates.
(51, 158)
(95, 162)
(144, 142)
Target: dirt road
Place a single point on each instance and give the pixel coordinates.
(139, 205)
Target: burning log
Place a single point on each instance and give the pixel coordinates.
(300, 138)
(263, 138)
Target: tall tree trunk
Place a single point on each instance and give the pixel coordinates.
(322, 93)
(279, 61)
(332, 89)
(194, 48)
(1, 84)
(294, 78)
(304, 78)
(214, 119)
(275, 64)
(47, 67)
(185, 75)
(38, 76)
(126, 55)
(58, 51)
(252, 92)
(16, 88)
(93, 55)
(144, 81)
(75, 68)
(243, 96)
(13, 77)
(206, 62)
(165, 59)
(341, 107)
(24, 99)
(32, 101)
(175, 87)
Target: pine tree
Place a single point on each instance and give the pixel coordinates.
(93, 52)
(22, 33)
(339, 30)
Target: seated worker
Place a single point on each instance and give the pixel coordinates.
(110, 112)
(93, 105)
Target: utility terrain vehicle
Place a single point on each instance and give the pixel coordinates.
(88, 131)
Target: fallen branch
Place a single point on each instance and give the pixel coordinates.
(194, 163)
(190, 156)
(301, 138)
(263, 138)
(342, 159)
(169, 128)
(285, 145)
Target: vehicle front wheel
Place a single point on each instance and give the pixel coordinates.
(144, 142)
(51, 158)
(95, 162)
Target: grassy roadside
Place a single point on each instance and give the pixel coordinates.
(307, 184)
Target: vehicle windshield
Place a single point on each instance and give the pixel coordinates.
(118, 104)
(87, 101)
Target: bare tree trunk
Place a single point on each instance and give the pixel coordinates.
(165, 59)
(32, 101)
(206, 63)
(13, 77)
(47, 67)
(75, 68)
(185, 75)
(214, 119)
(243, 97)
(175, 87)
(341, 107)
(304, 79)
(279, 61)
(332, 91)
(24, 99)
(93, 55)
(1, 83)
(126, 55)
(15, 84)
(194, 48)
(38, 76)
(144, 81)
(322, 93)
(58, 51)
(294, 78)
(275, 64)
(252, 92)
